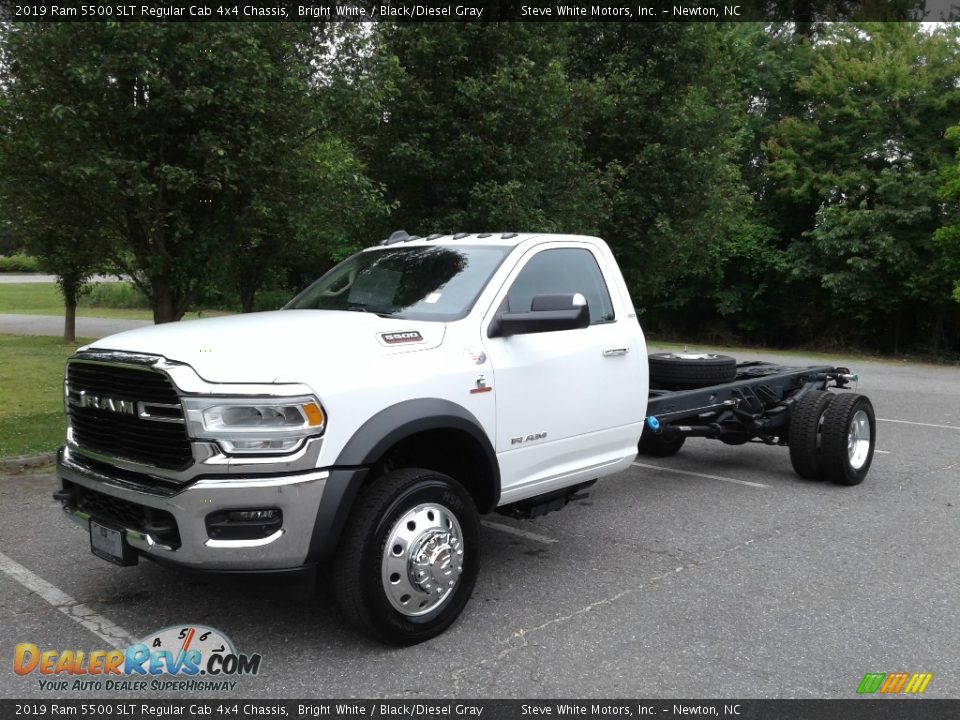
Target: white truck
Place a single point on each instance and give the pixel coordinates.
(364, 428)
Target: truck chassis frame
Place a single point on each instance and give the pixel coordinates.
(756, 405)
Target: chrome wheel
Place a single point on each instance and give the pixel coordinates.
(422, 559)
(858, 440)
(847, 439)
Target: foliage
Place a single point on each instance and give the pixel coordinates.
(664, 137)
(116, 295)
(186, 142)
(483, 130)
(19, 263)
(947, 237)
(777, 182)
(866, 151)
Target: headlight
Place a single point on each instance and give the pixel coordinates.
(248, 425)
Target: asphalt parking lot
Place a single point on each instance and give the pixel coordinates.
(716, 573)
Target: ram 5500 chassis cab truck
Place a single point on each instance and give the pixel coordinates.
(420, 383)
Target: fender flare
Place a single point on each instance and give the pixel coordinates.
(369, 443)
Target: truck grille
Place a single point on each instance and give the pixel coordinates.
(126, 435)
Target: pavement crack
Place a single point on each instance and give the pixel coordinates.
(519, 638)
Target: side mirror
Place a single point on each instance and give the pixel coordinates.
(548, 313)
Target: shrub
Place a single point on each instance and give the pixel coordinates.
(115, 295)
(271, 299)
(19, 263)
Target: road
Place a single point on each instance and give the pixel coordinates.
(87, 327)
(18, 278)
(716, 573)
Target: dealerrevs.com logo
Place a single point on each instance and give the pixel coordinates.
(182, 658)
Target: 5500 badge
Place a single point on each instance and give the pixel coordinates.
(189, 652)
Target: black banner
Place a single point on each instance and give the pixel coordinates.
(482, 11)
(853, 709)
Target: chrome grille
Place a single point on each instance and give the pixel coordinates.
(159, 442)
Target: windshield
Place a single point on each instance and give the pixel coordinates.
(413, 283)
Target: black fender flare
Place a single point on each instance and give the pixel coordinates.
(369, 443)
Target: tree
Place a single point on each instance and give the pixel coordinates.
(51, 208)
(183, 139)
(866, 149)
(663, 135)
(947, 237)
(481, 130)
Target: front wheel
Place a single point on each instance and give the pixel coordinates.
(408, 559)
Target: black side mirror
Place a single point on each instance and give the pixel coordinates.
(548, 313)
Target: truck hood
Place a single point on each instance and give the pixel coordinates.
(276, 347)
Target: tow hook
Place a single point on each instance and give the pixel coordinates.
(66, 496)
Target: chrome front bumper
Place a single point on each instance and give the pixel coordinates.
(298, 496)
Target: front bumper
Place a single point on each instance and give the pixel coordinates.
(298, 496)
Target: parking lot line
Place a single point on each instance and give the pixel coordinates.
(909, 422)
(81, 614)
(536, 537)
(702, 475)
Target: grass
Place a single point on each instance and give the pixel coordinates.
(45, 299)
(31, 375)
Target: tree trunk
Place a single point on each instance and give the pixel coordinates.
(70, 320)
(246, 299)
(70, 285)
(165, 306)
(896, 335)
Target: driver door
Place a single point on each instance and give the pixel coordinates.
(563, 398)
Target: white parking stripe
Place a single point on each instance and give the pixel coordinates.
(536, 537)
(882, 452)
(701, 475)
(908, 422)
(73, 609)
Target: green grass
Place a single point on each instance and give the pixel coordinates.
(31, 375)
(45, 299)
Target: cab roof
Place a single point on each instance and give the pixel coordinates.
(500, 239)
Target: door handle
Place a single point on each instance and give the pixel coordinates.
(614, 351)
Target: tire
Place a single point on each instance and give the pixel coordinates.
(657, 445)
(690, 370)
(849, 438)
(805, 433)
(416, 511)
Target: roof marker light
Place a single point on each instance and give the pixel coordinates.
(396, 237)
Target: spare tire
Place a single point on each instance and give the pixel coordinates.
(658, 444)
(685, 370)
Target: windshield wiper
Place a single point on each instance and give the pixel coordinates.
(363, 308)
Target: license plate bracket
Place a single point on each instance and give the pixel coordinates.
(110, 544)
